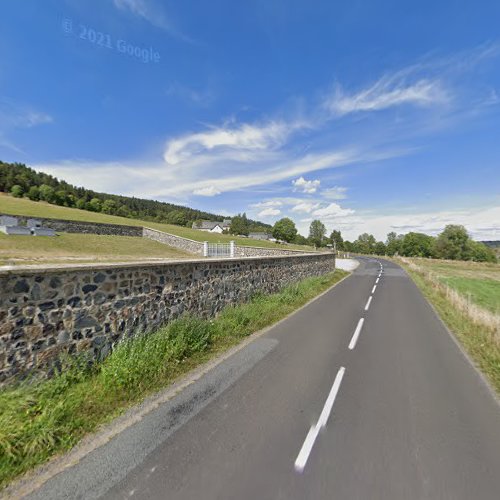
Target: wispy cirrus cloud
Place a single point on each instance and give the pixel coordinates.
(154, 13)
(18, 116)
(335, 193)
(230, 139)
(266, 204)
(388, 91)
(179, 181)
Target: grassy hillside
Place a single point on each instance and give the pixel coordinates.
(23, 206)
(81, 248)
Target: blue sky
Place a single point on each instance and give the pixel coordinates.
(369, 115)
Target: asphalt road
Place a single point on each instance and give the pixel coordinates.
(323, 406)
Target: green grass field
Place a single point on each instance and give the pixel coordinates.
(23, 206)
(475, 280)
(81, 248)
(483, 292)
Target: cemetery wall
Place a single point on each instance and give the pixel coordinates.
(73, 226)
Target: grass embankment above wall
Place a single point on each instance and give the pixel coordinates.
(459, 301)
(23, 206)
(41, 419)
(82, 248)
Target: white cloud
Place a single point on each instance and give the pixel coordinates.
(305, 207)
(206, 191)
(388, 91)
(159, 180)
(305, 186)
(265, 204)
(269, 212)
(334, 193)
(332, 210)
(245, 138)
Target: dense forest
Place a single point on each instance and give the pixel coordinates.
(22, 181)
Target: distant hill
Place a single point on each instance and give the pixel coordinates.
(40, 186)
(492, 244)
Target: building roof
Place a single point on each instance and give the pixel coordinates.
(209, 224)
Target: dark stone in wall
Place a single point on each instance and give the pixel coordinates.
(87, 310)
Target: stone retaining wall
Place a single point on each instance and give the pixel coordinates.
(73, 226)
(86, 309)
(244, 251)
(173, 240)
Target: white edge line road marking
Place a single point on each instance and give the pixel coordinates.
(368, 303)
(374, 288)
(305, 451)
(352, 343)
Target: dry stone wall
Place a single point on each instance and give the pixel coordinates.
(266, 252)
(74, 226)
(173, 240)
(86, 309)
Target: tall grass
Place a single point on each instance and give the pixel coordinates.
(42, 418)
(463, 303)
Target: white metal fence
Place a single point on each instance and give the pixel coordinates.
(218, 249)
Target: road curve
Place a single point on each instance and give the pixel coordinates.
(363, 394)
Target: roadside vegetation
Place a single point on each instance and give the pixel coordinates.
(67, 248)
(466, 296)
(46, 417)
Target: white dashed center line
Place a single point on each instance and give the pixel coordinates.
(355, 336)
(374, 288)
(368, 303)
(305, 451)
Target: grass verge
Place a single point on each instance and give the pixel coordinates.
(476, 333)
(44, 418)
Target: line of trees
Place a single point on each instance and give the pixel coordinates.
(453, 243)
(22, 181)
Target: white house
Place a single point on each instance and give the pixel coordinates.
(213, 226)
(209, 226)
